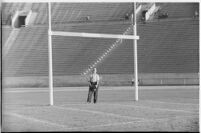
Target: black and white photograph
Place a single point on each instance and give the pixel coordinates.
(100, 66)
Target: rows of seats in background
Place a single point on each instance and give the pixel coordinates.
(164, 47)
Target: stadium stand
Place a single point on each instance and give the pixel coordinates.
(165, 46)
(178, 10)
(6, 32)
(78, 12)
(161, 49)
(169, 46)
(28, 55)
(37, 40)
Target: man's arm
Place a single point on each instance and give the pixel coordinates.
(98, 79)
(89, 80)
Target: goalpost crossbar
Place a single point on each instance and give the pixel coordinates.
(93, 35)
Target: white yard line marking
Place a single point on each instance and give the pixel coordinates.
(99, 112)
(35, 120)
(153, 108)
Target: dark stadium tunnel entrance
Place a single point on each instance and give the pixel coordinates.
(21, 20)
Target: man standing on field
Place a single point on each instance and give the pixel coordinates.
(93, 86)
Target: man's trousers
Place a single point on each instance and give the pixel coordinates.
(92, 90)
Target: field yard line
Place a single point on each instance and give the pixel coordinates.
(162, 109)
(36, 120)
(172, 103)
(99, 112)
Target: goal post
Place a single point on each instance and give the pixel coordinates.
(135, 52)
(51, 33)
(50, 55)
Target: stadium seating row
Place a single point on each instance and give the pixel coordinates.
(170, 47)
(164, 47)
(87, 12)
(179, 10)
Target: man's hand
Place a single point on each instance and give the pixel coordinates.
(97, 86)
(90, 85)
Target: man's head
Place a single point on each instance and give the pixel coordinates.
(94, 70)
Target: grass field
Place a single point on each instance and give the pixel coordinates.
(160, 108)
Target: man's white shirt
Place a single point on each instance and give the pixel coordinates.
(94, 77)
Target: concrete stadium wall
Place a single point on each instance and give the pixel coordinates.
(169, 79)
(106, 80)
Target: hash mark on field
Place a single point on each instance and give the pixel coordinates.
(99, 112)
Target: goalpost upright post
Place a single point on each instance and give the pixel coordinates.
(50, 55)
(135, 52)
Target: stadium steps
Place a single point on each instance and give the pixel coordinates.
(6, 30)
(153, 14)
(32, 18)
(10, 41)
